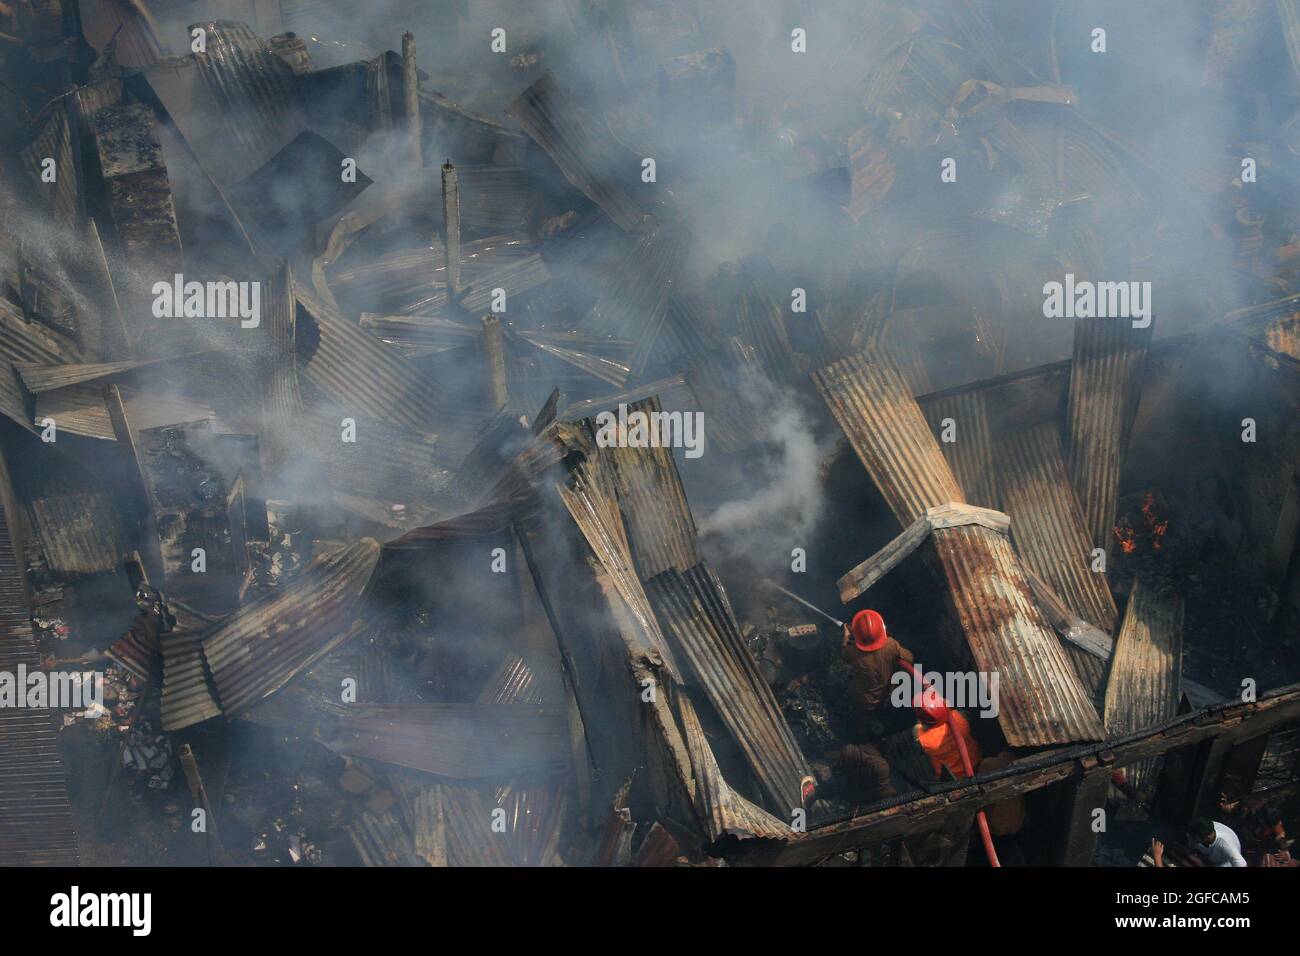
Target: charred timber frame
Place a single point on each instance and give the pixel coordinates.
(1220, 729)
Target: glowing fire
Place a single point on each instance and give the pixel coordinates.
(1153, 527)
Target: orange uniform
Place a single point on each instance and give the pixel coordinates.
(941, 747)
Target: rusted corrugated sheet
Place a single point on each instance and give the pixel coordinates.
(413, 281)
(362, 374)
(722, 811)
(471, 842)
(13, 398)
(381, 840)
(77, 530)
(139, 650)
(588, 155)
(457, 741)
(1105, 383)
(873, 405)
(23, 341)
(236, 104)
(78, 410)
(635, 303)
(188, 696)
(1145, 682)
(660, 527)
(134, 31)
(1041, 698)
(261, 647)
(44, 378)
(1047, 523)
(36, 825)
(693, 612)
(594, 508)
(970, 451)
(56, 141)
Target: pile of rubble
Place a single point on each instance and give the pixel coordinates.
(307, 371)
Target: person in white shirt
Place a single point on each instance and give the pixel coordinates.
(1216, 844)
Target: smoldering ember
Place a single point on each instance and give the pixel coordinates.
(312, 312)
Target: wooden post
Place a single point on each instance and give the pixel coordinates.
(411, 98)
(1087, 794)
(451, 229)
(495, 356)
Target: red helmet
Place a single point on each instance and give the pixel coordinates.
(869, 631)
(931, 706)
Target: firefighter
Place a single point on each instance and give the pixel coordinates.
(872, 656)
(934, 732)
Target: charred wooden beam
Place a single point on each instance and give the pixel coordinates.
(411, 99)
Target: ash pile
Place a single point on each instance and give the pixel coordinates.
(326, 369)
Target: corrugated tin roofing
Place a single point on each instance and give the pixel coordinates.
(457, 741)
(1105, 382)
(693, 612)
(1041, 699)
(78, 531)
(236, 104)
(873, 405)
(188, 696)
(970, 453)
(258, 649)
(723, 811)
(1144, 687)
(587, 154)
(361, 373)
(660, 527)
(1047, 524)
(36, 824)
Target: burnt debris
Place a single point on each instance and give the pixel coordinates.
(395, 449)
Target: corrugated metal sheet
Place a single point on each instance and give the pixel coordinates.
(126, 24)
(634, 304)
(236, 104)
(23, 341)
(1041, 699)
(762, 325)
(262, 646)
(78, 531)
(13, 400)
(457, 741)
(413, 281)
(873, 405)
(1047, 523)
(139, 650)
(361, 373)
(660, 527)
(381, 840)
(588, 155)
(56, 141)
(970, 453)
(722, 811)
(188, 696)
(1144, 687)
(693, 612)
(44, 378)
(78, 410)
(1105, 383)
(594, 508)
(36, 825)
(471, 842)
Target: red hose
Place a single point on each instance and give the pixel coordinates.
(980, 819)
